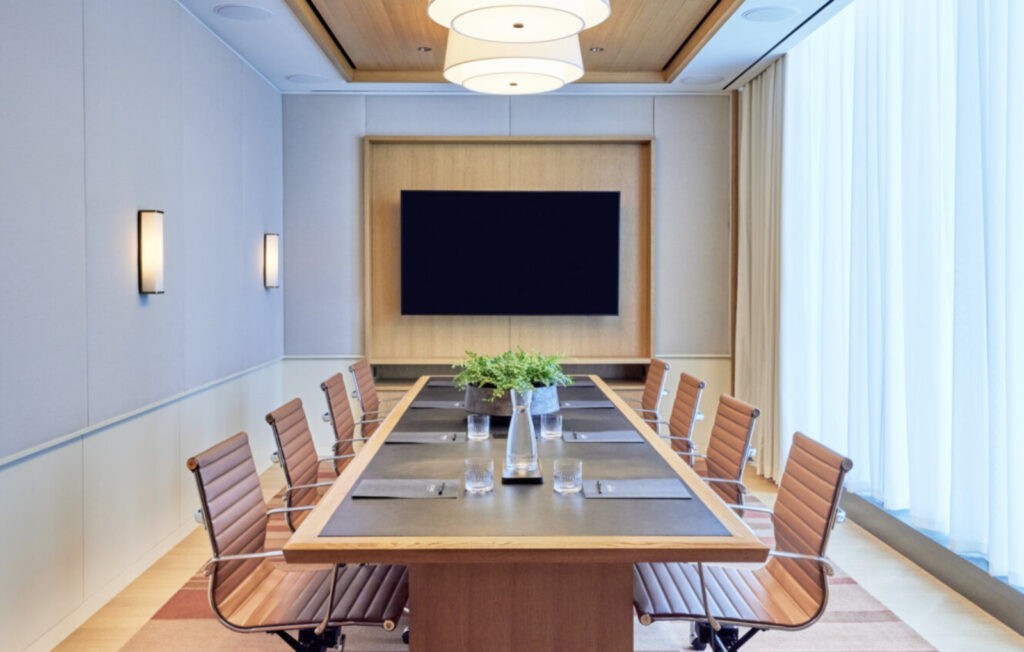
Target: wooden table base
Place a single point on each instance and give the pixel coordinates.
(521, 607)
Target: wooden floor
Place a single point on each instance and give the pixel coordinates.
(946, 619)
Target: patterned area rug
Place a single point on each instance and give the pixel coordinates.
(854, 622)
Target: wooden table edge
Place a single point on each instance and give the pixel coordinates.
(306, 546)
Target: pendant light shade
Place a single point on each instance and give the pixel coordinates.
(518, 21)
(512, 68)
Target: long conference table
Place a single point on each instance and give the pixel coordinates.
(521, 568)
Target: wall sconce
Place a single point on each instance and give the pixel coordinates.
(271, 260)
(151, 252)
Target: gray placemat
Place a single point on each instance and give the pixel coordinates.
(604, 437)
(444, 381)
(579, 405)
(437, 405)
(582, 382)
(425, 438)
(406, 488)
(636, 488)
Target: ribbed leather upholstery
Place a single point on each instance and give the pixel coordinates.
(266, 595)
(782, 594)
(229, 489)
(654, 385)
(729, 445)
(684, 412)
(341, 418)
(298, 456)
(366, 392)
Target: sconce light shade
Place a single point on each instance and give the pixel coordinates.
(271, 260)
(151, 252)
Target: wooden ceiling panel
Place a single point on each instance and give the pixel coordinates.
(641, 36)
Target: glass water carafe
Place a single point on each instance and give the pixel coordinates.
(521, 449)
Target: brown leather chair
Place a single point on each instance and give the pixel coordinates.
(685, 415)
(654, 391)
(789, 592)
(251, 590)
(297, 455)
(339, 414)
(728, 448)
(366, 393)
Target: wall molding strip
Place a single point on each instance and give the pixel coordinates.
(113, 421)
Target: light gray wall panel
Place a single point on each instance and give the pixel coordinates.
(262, 206)
(218, 242)
(40, 543)
(582, 115)
(692, 251)
(323, 231)
(42, 319)
(437, 115)
(133, 161)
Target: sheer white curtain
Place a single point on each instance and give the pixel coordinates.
(902, 313)
(757, 286)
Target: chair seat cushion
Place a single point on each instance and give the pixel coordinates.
(735, 595)
(276, 594)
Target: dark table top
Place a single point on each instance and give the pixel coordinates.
(518, 510)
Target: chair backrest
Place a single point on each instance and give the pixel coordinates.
(805, 512)
(366, 389)
(654, 385)
(729, 445)
(233, 509)
(684, 411)
(298, 456)
(340, 412)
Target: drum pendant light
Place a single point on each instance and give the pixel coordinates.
(512, 68)
(518, 21)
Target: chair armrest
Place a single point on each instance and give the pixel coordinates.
(282, 510)
(825, 564)
(641, 409)
(725, 481)
(338, 442)
(328, 458)
(753, 508)
(691, 454)
(292, 488)
(370, 421)
(208, 568)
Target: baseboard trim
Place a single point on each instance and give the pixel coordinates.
(1002, 601)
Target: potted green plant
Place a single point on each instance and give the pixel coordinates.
(490, 380)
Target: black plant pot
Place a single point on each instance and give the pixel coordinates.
(545, 401)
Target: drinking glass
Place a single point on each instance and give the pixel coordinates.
(568, 475)
(478, 427)
(551, 426)
(479, 475)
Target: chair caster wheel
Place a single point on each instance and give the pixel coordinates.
(405, 636)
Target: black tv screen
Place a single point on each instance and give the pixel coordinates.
(510, 252)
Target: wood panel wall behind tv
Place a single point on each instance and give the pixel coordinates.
(393, 164)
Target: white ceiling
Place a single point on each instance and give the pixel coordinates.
(279, 48)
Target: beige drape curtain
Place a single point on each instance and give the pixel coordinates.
(759, 262)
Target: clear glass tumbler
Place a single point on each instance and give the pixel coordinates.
(568, 475)
(551, 426)
(479, 475)
(478, 427)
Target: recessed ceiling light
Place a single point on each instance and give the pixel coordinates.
(769, 14)
(424, 48)
(597, 49)
(701, 80)
(299, 78)
(246, 13)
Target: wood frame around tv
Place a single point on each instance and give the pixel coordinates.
(395, 163)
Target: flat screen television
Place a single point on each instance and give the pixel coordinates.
(510, 252)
